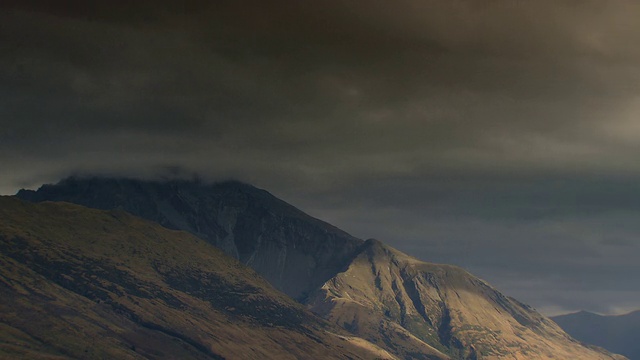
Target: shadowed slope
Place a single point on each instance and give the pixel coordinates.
(411, 307)
(295, 252)
(83, 283)
(615, 333)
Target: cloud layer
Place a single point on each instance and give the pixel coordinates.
(501, 136)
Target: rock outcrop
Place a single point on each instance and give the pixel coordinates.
(420, 310)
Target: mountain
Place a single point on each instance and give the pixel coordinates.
(293, 251)
(80, 283)
(412, 309)
(615, 333)
(420, 310)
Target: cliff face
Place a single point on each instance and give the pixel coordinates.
(79, 283)
(293, 251)
(410, 307)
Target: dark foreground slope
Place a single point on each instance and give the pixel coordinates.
(293, 251)
(421, 310)
(620, 334)
(88, 284)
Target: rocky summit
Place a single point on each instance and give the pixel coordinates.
(79, 283)
(293, 251)
(388, 302)
(421, 310)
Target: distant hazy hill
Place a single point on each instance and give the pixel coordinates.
(412, 309)
(79, 283)
(620, 334)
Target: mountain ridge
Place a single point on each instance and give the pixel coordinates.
(617, 333)
(81, 283)
(410, 308)
(276, 239)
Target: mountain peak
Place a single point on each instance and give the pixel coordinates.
(373, 242)
(377, 249)
(74, 183)
(376, 292)
(293, 250)
(582, 314)
(387, 296)
(81, 283)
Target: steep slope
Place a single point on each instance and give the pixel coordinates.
(80, 283)
(293, 251)
(412, 309)
(614, 333)
(421, 311)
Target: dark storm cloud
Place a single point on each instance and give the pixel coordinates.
(488, 134)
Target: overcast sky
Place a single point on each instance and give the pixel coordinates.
(502, 136)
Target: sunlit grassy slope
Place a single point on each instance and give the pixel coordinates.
(411, 307)
(90, 284)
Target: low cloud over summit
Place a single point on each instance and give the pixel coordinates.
(500, 136)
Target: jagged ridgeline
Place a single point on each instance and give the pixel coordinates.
(80, 283)
(412, 309)
(293, 251)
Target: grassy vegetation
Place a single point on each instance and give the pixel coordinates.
(89, 284)
(439, 311)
